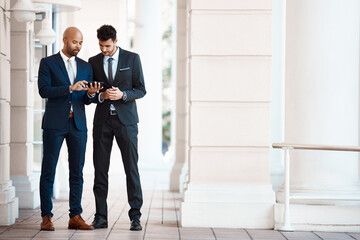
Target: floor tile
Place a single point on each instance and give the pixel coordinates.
(333, 236)
(160, 221)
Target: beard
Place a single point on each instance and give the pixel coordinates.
(109, 53)
(72, 52)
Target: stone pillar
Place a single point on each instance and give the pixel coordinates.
(322, 107)
(179, 169)
(8, 201)
(22, 115)
(278, 91)
(147, 43)
(229, 120)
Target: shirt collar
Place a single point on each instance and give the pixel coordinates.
(65, 58)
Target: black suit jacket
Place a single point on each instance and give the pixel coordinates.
(53, 83)
(128, 78)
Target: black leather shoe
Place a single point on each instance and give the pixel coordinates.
(135, 225)
(99, 222)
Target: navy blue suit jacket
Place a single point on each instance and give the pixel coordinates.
(54, 83)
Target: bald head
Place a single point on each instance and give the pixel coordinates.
(71, 31)
(72, 39)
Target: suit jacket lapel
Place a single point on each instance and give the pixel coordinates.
(121, 62)
(62, 67)
(79, 67)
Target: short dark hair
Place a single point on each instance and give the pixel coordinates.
(105, 32)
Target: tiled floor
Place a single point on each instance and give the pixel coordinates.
(160, 219)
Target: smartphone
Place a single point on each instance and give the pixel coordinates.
(101, 84)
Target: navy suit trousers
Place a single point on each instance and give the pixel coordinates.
(76, 144)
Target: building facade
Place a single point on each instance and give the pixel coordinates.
(248, 73)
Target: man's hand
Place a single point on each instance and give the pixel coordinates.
(114, 93)
(79, 86)
(104, 95)
(94, 88)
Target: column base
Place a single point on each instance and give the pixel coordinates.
(27, 190)
(9, 205)
(320, 217)
(228, 207)
(321, 195)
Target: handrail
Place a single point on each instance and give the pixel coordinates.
(317, 147)
(287, 147)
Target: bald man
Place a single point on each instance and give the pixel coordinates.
(62, 80)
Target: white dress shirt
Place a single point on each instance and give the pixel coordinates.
(74, 68)
(73, 65)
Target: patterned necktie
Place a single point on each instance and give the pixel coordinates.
(110, 74)
(71, 72)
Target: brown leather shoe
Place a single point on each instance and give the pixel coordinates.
(78, 223)
(46, 224)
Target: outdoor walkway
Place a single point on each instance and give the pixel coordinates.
(160, 219)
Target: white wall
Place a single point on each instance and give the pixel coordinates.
(322, 107)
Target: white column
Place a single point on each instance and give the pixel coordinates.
(22, 115)
(229, 119)
(322, 107)
(179, 169)
(147, 43)
(8, 201)
(278, 90)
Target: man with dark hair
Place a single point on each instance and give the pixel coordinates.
(116, 116)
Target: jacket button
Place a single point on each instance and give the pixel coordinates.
(70, 102)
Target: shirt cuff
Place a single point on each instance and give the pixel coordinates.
(91, 96)
(125, 96)
(99, 99)
(70, 89)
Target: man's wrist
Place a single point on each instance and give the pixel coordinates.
(91, 95)
(99, 98)
(124, 97)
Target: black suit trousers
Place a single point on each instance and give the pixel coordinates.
(126, 138)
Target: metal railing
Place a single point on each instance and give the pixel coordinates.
(287, 147)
